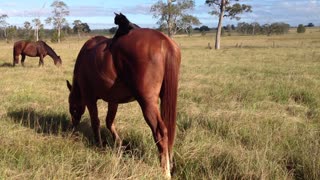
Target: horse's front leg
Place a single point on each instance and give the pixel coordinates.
(95, 122)
(41, 61)
(15, 60)
(112, 110)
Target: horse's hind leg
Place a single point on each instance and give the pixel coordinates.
(22, 59)
(95, 122)
(112, 110)
(152, 115)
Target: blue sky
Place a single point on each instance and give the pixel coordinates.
(99, 13)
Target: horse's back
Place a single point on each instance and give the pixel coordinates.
(143, 41)
(141, 45)
(141, 59)
(89, 51)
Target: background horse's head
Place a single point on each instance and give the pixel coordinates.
(76, 108)
(57, 61)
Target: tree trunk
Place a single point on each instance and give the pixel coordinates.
(37, 33)
(59, 32)
(5, 34)
(218, 34)
(169, 19)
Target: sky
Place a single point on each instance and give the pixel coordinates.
(99, 14)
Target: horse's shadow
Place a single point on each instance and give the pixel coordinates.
(6, 65)
(46, 123)
(59, 124)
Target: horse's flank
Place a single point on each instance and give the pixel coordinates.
(95, 75)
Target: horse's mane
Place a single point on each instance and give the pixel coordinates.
(124, 25)
(47, 47)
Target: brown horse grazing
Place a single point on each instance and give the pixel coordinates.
(144, 66)
(34, 49)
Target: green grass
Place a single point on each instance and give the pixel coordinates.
(248, 111)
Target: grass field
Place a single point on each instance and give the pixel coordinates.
(248, 111)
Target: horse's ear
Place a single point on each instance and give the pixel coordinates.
(69, 85)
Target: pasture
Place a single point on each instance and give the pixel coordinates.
(248, 111)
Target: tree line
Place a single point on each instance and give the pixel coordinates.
(35, 30)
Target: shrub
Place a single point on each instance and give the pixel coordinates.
(301, 29)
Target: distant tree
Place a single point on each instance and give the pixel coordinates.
(233, 27)
(301, 29)
(27, 30)
(255, 28)
(268, 29)
(204, 28)
(4, 25)
(186, 22)
(77, 27)
(172, 13)
(60, 10)
(279, 28)
(12, 32)
(310, 25)
(37, 26)
(66, 29)
(226, 9)
(86, 28)
(113, 30)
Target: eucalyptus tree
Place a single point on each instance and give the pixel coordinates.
(60, 11)
(226, 8)
(77, 27)
(173, 15)
(27, 30)
(37, 26)
(4, 25)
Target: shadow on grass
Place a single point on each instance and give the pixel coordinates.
(42, 123)
(56, 124)
(6, 65)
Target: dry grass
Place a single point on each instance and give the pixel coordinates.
(248, 111)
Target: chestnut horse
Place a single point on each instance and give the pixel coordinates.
(34, 49)
(142, 65)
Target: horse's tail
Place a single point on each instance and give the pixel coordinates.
(169, 93)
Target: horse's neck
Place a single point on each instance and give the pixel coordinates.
(75, 89)
(50, 51)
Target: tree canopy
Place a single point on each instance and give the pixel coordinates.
(174, 16)
(60, 10)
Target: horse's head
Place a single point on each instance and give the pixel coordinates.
(76, 108)
(121, 20)
(58, 61)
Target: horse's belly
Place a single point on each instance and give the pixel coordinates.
(119, 93)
